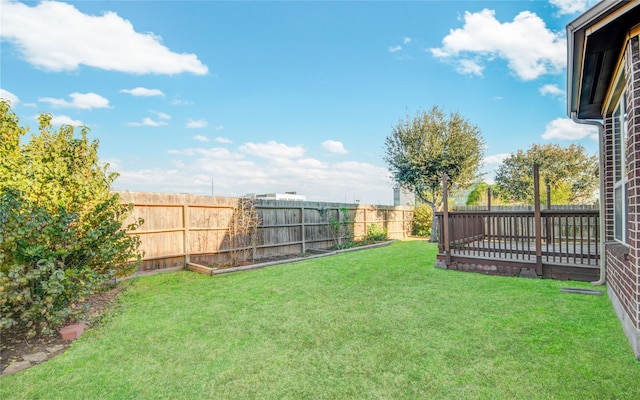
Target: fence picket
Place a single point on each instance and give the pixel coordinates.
(182, 228)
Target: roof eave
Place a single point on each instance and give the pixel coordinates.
(576, 31)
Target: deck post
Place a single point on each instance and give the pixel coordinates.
(489, 199)
(548, 197)
(445, 220)
(537, 218)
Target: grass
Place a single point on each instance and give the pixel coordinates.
(371, 324)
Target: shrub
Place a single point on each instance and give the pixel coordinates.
(376, 233)
(61, 227)
(422, 218)
(340, 227)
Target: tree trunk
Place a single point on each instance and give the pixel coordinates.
(434, 221)
(434, 224)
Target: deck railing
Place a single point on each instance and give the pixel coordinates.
(565, 236)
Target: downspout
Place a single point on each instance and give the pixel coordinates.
(603, 269)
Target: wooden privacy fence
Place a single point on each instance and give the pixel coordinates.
(182, 228)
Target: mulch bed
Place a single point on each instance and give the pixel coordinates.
(14, 343)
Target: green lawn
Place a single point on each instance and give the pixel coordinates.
(379, 324)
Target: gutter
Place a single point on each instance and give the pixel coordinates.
(603, 269)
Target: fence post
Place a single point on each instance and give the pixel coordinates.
(185, 239)
(445, 220)
(365, 220)
(537, 218)
(304, 234)
(489, 199)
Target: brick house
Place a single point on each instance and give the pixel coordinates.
(603, 89)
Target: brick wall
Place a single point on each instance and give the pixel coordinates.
(623, 275)
(633, 166)
(607, 152)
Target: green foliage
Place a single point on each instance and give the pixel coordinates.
(421, 149)
(422, 220)
(479, 193)
(340, 225)
(569, 172)
(377, 233)
(61, 233)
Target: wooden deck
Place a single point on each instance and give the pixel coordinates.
(558, 244)
(564, 246)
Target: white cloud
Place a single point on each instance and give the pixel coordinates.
(55, 36)
(201, 138)
(235, 173)
(530, 49)
(469, 67)
(143, 92)
(569, 6)
(177, 101)
(57, 120)
(551, 90)
(84, 101)
(161, 115)
(147, 122)
(220, 139)
(218, 153)
(398, 48)
(566, 129)
(191, 124)
(334, 146)
(272, 150)
(495, 158)
(13, 99)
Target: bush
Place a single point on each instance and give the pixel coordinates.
(422, 218)
(61, 228)
(340, 226)
(376, 233)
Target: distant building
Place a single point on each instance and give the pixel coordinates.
(282, 196)
(402, 197)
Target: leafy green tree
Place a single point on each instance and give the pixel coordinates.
(10, 151)
(479, 195)
(61, 227)
(422, 220)
(423, 148)
(569, 172)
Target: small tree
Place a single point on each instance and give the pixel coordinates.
(422, 220)
(61, 227)
(423, 148)
(568, 171)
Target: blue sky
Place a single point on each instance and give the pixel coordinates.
(237, 97)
